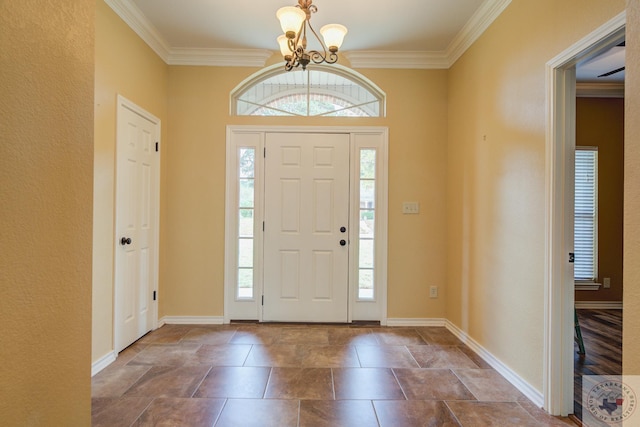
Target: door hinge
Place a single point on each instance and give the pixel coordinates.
(154, 295)
(264, 154)
(262, 299)
(157, 147)
(262, 225)
(572, 257)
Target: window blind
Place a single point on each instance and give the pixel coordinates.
(586, 215)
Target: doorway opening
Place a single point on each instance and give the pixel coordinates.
(559, 224)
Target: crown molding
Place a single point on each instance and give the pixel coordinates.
(397, 59)
(600, 90)
(219, 57)
(488, 11)
(472, 30)
(135, 19)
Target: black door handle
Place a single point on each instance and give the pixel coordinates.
(125, 241)
(343, 242)
(343, 229)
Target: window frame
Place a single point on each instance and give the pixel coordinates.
(588, 283)
(336, 69)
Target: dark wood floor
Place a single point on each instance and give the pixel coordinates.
(602, 335)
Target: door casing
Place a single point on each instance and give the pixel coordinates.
(254, 137)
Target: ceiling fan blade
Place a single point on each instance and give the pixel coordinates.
(617, 70)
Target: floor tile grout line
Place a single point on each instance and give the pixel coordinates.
(453, 414)
(224, 405)
(375, 412)
(266, 386)
(453, 371)
(142, 412)
(201, 381)
(393, 371)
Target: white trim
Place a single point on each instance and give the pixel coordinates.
(510, 375)
(600, 90)
(219, 57)
(140, 24)
(397, 59)
(191, 320)
(488, 11)
(416, 322)
(558, 281)
(103, 362)
(474, 28)
(251, 309)
(587, 286)
(599, 305)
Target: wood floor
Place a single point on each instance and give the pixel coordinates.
(602, 335)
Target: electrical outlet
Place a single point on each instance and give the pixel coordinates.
(410, 208)
(606, 282)
(433, 292)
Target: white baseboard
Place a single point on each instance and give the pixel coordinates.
(527, 389)
(413, 322)
(600, 305)
(191, 320)
(103, 362)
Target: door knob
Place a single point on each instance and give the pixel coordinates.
(125, 241)
(343, 242)
(343, 229)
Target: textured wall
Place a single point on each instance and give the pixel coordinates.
(496, 176)
(46, 174)
(631, 321)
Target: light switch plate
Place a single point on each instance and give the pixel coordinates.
(410, 208)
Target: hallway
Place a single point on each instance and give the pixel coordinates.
(306, 375)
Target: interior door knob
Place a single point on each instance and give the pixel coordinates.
(125, 241)
(343, 242)
(343, 229)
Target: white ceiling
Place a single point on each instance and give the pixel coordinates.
(382, 33)
(405, 25)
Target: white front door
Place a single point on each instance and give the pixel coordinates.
(306, 257)
(136, 228)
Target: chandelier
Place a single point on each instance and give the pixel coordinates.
(295, 20)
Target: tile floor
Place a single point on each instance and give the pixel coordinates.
(244, 375)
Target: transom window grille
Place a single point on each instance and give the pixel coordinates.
(586, 215)
(319, 91)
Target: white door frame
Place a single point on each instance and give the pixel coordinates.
(122, 104)
(254, 137)
(559, 189)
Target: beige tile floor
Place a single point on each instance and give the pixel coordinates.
(244, 375)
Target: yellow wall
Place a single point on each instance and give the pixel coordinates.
(631, 299)
(496, 177)
(195, 178)
(600, 123)
(124, 65)
(46, 171)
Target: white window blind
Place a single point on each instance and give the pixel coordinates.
(586, 215)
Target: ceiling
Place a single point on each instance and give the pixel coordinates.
(382, 33)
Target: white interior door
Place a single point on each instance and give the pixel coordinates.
(306, 257)
(136, 223)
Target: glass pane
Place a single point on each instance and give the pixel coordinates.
(246, 193)
(245, 253)
(245, 223)
(247, 162)
(368, 164)
(365, 285)
(367, 194)
(367, 224)
(366, 253)
(245, 109)
(245, 283)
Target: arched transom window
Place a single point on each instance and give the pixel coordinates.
(319, 91)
